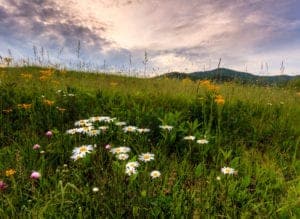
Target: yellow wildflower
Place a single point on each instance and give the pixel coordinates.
(113, 84)
(10, 172)
(26, 75)
(48, 102)
(219, 100)
(213, 87)
(209, 85)
(24, 105)
(205, 83)
(46, 74)
(7, 110)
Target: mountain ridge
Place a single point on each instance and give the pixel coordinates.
(225, 74)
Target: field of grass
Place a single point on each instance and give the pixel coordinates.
(81, 172)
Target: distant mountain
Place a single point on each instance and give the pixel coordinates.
(223, 74)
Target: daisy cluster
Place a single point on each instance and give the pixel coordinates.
(99, 124)
(87, 126)
(91, 126)
(131, 167)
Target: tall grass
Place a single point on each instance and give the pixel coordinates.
(253, 129)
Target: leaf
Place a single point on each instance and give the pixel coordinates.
(135, 211)
(246, 182)
(144, 193)
(199, 170)
(235, 162)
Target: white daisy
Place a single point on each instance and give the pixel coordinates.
(83, 150)
(79, 130)
(155, 174)
(120, 123)
(146, 157)
(189, 138)
(227, 170)
(103, 128)
(93, 132)
(166, 127)
(130, 171)
(133, 164)
(106, 119)
(71, 131)
(94, 119)
(145, 130)
(120, 150)
(85, 129)
(77, 156)
(82, 122)
(202, 141)
(122, 156)
(130, 129)
(95, 189)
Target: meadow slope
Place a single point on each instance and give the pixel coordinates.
(75, 144)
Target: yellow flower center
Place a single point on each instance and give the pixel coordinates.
(147, 157)
(83, 149)
(227, 170)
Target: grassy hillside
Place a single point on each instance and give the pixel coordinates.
(252, 129)
(225, 75)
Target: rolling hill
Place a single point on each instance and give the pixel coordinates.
(223, 74)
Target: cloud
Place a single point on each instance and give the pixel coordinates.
(191, 34)
(45, 23)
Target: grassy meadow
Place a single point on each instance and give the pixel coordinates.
(83, 145)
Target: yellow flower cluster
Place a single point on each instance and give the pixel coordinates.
(26, 75)
(46, 74)
(219, 99)
(209, 85)
(48, 102)
(24, 105)
(10, 172)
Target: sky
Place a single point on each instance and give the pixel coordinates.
(257, 36)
